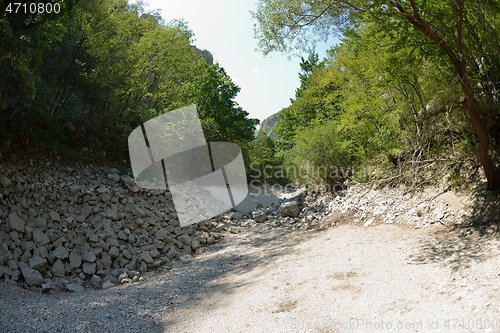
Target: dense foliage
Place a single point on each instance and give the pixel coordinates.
(410, 83)
(81, 80)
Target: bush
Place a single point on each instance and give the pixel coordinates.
(319, 156)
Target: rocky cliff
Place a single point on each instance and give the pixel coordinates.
(269, 124)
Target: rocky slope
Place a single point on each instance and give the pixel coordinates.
(74, 227)
(65, 227)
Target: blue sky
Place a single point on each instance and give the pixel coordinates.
(225, 28)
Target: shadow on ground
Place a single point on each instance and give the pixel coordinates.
(459, 246)
(265, 247)
(152, 306)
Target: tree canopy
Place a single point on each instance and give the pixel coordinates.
(455, 38)
(83, 79)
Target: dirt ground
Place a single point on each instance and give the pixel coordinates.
(349, 278)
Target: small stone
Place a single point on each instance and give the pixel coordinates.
(95, 280)
(89, 268)
(42, 251)
(114, 252)
(146, 256)
(136, 210)
(16, 223)
(129, 183)
(439, 213)
(112, 214)
(74, 287)
(74, 189)
(221, 226)
(185, 239)
(259, 216)
(195, 243)
(40, 238)
(55, 216)
(31, 276)
(41, 222)
(127, 254)
(369, 222)
(154, 264)
(107, 284)
(46, 287)
(60, 252)
(75, 260)
(13, 264)
(79, 281)
(58, 269)
(172, 252)
(4, 181)
(122, 276)
(23, 202)
(114, 177)
(161, 234)
(16, 275)
(89, 256)
(113, 241)
(105, 197)
(69, 171)
(154, 254)
(38, 263)
(53, 237)
(290, 209)
(106, 261)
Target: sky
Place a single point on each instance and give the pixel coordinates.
(225, 28)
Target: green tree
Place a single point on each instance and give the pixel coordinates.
(460, 36)
(264, 165)
(213, 92)
(319, 156)
(25, 41)
(317, 99)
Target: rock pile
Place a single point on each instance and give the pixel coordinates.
(299, 212)
(70, 227)
(370, 205)
(66, 227)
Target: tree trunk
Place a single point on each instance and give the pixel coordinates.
(457, 58)
(491, 172)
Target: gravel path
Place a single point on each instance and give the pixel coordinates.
(348, 278)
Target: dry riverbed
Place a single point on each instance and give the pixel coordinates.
(348, 278)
